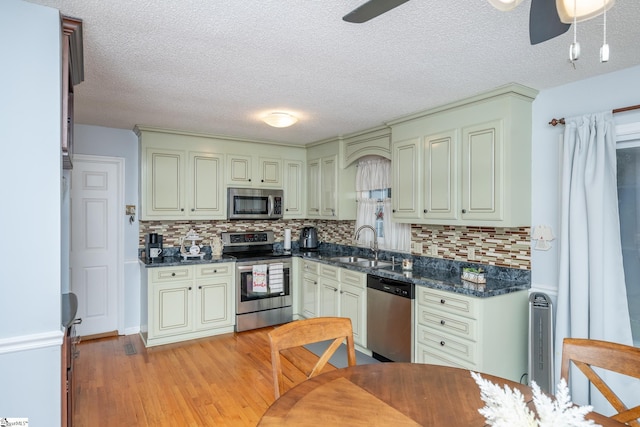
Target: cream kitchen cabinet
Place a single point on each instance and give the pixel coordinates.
(472, 164)
(241, 171)
(333, 291)
(180, 184)
(294, 185)
(187, 302)
(482, 334)
(330, 188)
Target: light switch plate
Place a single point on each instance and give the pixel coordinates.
(472, 254)
(433, 250)
(417, 248)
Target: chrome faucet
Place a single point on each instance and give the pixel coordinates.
(374, 247)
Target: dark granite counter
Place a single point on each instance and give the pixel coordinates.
(434, 273)
(69, 309)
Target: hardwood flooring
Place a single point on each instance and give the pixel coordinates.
(223, 381)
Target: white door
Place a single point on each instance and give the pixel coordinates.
(96, 245)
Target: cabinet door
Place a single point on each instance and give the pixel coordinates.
(328, 186)
(329, 297)
(270, 172)
(440, 173)
(207, 196)
(313, 195)
(482, 171)
(310, 296)
(172, 308)
(214, 304)
(353, 305)
(238, 170)
(405, 193)
(164, 183)
(293, 185)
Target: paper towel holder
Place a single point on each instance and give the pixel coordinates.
(287, 240)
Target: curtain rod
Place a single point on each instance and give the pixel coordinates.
(555, 122)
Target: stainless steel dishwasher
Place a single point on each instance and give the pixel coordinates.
(389, 318)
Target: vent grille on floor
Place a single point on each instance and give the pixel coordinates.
(129, 349)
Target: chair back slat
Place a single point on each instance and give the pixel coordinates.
(308, 331)
(623, 359)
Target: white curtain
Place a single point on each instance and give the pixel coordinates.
(592, 298)
(375, 174)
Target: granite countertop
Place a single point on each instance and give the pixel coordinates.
(429, 272)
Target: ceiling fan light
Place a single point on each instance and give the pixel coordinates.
(584, 9)
(279, 119)
(505, 5)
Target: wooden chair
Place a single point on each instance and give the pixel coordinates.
(614, 357)
(301, 332)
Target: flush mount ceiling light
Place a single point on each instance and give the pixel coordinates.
(505, 5)
(279, 119)
(581, 10)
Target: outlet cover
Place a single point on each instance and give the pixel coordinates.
(433, 249)
(417, 247)
(472, 254)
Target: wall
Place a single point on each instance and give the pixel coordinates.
(101, 141)
(30, 127)
(605, 92)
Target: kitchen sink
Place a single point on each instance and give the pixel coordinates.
(360, 262)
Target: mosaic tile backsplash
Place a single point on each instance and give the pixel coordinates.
(504, 247)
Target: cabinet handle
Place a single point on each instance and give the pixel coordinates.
(442, 343)
(442, 301)
(77, 321)
(442, 322)
(464, 211)
(173, 274)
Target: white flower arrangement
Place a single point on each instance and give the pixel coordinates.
(507, 408)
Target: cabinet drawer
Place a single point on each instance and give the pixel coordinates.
(329, 271)
(447, 301)
(209, 270)
(310, 267)
(443, 322)
(447, 344)
(353, 278)
(165, 274)
(425, 354)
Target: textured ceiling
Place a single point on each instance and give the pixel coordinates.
(215, 66)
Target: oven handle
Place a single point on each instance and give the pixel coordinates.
(241, 268)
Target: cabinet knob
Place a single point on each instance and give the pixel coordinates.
(442, 301)
(425, 211)
(442, 322)
(442, 343)
(200, 287)
(249, 179)
(181, 209)
(173, 274)
(193, 210)
(287, 210)
(393, 210)
(335, 289)
(262, 180)
(464, 211)
(215, 271)
(189, 287)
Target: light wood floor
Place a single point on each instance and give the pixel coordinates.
(222, 381)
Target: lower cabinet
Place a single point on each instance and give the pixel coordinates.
(333, 291)
(187, 302)
(487, 335)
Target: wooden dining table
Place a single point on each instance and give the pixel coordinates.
(390, 394)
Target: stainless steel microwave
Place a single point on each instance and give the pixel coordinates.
(254, 203)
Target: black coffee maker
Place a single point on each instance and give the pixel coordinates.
(153, 247)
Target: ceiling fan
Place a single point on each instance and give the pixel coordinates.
(544, 22)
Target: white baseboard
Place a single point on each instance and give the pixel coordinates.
(31, 342)
(132, 330)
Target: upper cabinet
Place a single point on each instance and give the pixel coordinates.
(185, 176)
(254, 171)
(331, 190)
(467, 163)
(72, 74)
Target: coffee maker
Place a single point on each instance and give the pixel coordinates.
(153, 247)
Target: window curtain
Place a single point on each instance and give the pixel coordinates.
(592, 298)
(375, 174)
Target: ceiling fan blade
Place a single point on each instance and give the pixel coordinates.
(544, 22)
(371, 9)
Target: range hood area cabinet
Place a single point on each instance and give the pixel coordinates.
(72, 74)
(467, 163)
(185, 176)
(331, 192)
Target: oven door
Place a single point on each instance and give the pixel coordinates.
(252, 297)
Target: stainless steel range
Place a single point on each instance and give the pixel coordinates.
(263, 280)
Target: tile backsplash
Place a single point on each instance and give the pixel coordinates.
(505, 247)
